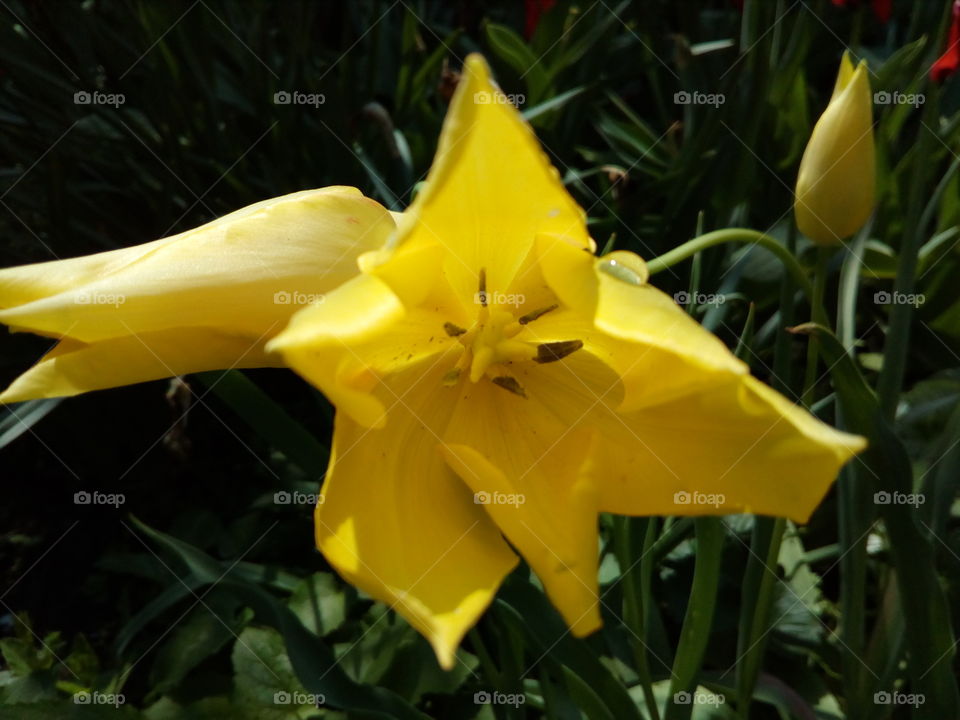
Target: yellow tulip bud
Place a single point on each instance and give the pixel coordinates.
(835, 185)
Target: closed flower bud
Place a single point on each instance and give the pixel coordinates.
(835, 185)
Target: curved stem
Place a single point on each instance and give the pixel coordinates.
(734, 235)
(698, 619)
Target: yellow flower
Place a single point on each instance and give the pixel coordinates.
(498, 386)
(835, 184)
(206, 299)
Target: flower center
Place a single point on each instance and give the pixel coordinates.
(490, 344)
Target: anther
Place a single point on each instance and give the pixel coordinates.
(553, 351)
(453, 330)
(482, 287)
(510, 384)
(531, 316)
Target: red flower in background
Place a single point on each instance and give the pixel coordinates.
(948, 63)
(883, 9)
(536, 8)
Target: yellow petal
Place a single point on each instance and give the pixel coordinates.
(535, 479)
(674, 428)
(397, 523)
(359, 334)
(73, 367)
(735, 447)
(635, 328)
(844, 76)
(835, 184)
(490, 191)
(244, 273)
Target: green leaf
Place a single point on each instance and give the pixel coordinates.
(533, 114)
(511, 49)
(268, 419)
(548, 634)
(320, 603)
(924, 604)
(312, 660)
(23, 416)
(202, 633)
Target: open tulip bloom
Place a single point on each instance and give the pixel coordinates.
(497, 385)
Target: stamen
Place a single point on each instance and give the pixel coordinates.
(453, 330)
(482, 290)
(509, 383)
(553, 351)
(531, 316)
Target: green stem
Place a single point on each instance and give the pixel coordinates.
(849, 285)
(635, 599)
(761, 571)
(699, 616)
(901, 313)
(483, 655)
(818, 315)
(782, 349)
(759, 579)
(733, 235)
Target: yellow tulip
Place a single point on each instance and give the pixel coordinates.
(835, 184)
(497, 385)
(206, 299)
(496, 382)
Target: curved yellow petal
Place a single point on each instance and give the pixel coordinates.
(736, 446)
(490, 191)
(536, 480)
(658, 350)
(396, 522)
(835, 183)
(358, 335)
(73, 367)
(243, 273)
(685, 437)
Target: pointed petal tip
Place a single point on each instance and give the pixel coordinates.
(588, 624)
(445, 639)
(476, 64)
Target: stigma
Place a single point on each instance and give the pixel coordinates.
(490, 344)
